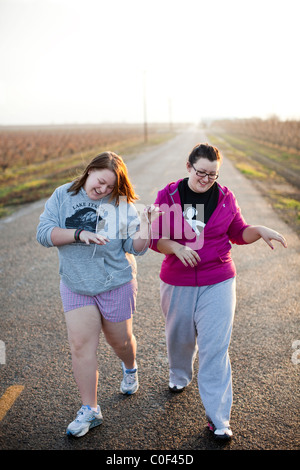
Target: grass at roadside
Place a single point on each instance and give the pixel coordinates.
(272, 170)
(23, 184)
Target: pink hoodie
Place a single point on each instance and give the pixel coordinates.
(225, 225)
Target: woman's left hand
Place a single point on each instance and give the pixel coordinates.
(267, 234)
(152, 212)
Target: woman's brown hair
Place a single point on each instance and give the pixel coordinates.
(204, 151)
(108, 161)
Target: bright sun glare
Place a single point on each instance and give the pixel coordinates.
(94, 61)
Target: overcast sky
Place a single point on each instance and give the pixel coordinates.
(89, 61)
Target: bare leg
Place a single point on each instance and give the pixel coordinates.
(84, 327)
(120, 337)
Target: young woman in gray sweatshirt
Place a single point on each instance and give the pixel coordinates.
(96, 228)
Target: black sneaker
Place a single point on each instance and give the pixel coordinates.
(176, 388)
(223, 434)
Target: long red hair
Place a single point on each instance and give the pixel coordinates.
(110, 161)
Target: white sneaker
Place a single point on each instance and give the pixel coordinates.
(130, 382)
(85, 420)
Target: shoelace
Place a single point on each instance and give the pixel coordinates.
(130, 378)
(84, 415)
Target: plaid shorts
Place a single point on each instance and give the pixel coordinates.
(115, 305)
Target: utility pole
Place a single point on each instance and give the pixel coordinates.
(170, 114)
(145, 111)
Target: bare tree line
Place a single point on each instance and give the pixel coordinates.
(26, 146)
(273, 130)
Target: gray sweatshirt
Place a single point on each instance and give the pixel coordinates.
(92, 269)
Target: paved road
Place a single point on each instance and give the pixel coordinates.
(266, 378)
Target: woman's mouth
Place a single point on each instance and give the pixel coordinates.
(202, 183)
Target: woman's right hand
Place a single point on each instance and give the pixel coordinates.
(91, 237)
(186, 255)
(65, 236)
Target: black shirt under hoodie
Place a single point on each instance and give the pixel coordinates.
(198, 207)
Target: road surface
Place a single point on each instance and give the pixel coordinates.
(38, 395)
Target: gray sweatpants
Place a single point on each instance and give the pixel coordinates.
(201, 318)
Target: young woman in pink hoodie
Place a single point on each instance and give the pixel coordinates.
(200, 220)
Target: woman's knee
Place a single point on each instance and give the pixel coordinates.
(118, 335)
(81, 345)
(84, 327)
(121, 344)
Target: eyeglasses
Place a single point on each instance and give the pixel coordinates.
(202, 174)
